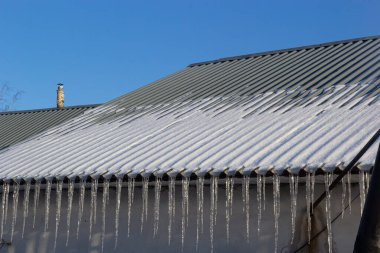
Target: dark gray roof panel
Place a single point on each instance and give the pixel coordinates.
(283, 50)
(17, 126)
(319, 66)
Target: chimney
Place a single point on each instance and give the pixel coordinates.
(60, 96)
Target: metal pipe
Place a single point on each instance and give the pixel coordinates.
(348, 168)
(368, 237)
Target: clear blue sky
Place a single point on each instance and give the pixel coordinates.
(103, 49)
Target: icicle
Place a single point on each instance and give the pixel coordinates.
(26, 206)
(131, 193)
(213, 209)
(366, 179)
(229, 196)
(362, 190)
(171, 206)
(145, 193)
(82, 190)
(95, 198)
(58, 210)
(3, 205)
(293, 185)
(16, 189)
(308, 206)
(47, 203)
(246, 183)
(328, 211)
(185, 207)
(157, 194)
(94, 189)
(6, 204)
(331, 178)
(37, 188)
(259, 196)
(70, 194)
(216, 199)
(200, 185)
(343, 196)
(349, 189)
(276, 207)
(117, 212)
(312, 190)
(106, 186)
(243, 193)
(264, 178)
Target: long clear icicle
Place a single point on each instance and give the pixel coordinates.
(185, 208)
(264, 179)
(70, 194)
(349, 189)
(82, 189)
(26, 206)
(362, 190)
(16, 190)
(145, 194)
(312, 190)
(213, 208)
(3, 205)
(246, 183)
(47, 203)
(293, 185)
(200, 185)
(117, 211)
(308, 205)
(106, 186)
(157, 194)
(6, 204)
(36, 200)
(58, 210)
(259, 201)
(96, 182)
(344, 189)
(328, 211)
(229, 199)
(94, 191)
(276, 208)
(131, 193)
(171, 206)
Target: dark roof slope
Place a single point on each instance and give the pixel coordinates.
(16, 126)
(310, 67)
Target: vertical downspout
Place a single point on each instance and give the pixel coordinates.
(368, 237)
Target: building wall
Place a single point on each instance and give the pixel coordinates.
(37, 241)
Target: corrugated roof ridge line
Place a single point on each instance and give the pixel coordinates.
(284, 50)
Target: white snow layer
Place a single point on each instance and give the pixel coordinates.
(267, 132)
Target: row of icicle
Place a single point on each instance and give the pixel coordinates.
(200, 182)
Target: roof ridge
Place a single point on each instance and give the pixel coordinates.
(283, 50)
(50, 109)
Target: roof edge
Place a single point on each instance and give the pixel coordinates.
(50, 109)
(283, 50)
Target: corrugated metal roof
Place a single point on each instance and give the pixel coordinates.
(18, 126)
(306, 108)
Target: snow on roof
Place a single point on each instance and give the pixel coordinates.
(274, 131)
